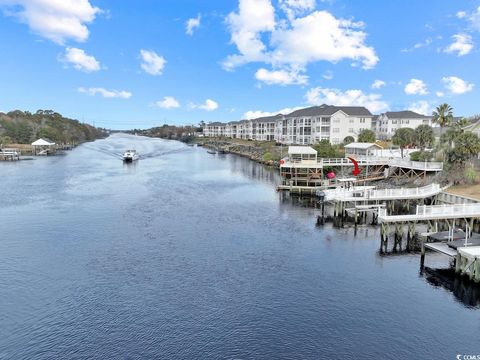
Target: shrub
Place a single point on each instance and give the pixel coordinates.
(470, 175)
(267, 156)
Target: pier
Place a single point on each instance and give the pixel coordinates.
(9, 154)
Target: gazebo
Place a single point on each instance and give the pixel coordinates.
(44, 145)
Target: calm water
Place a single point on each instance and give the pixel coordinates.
(191, 255)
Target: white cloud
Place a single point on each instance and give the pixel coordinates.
(462, 45)
(281, 77)
(168, 102)
(254, 114)
(153, 63)
(419, 45)
(293, 8)
(56, 20)
(208, 105)
(106, 93)
(461, 14)
(192, 24)
(416, 87)
(80, 60)
(422, 107)
(457, 86)
(474, 19)
(294, 42)
(321, 36)
(253, 18)
(440, 94)
(328, 75)
(373, 102)
(377, 84)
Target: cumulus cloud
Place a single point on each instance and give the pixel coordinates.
(461, 14)
(192, 24)
(422, 107)
(122, 94)
(168, 102)
(254, 114)
(56, 20)
(281, 77)
(440, 94)
(80, 60)
(152, 63)
(296, 41)
(328, 75)
(462, 45)
(377, 84)
(208, 105)
(416, 87)
(373, 102)
(457, 86)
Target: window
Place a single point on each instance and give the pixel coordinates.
(351, 121)
(336, 130)
(350, 130)
(362, 120)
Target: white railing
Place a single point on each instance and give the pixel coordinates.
(383, 194)
(445, 210)
(417, 165)
(422, 165)
(10, 152)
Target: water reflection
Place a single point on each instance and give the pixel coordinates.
(464, 290)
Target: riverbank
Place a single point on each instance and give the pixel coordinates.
(263, 152)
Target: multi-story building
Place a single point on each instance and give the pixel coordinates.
(324, 122)
(304, 126)
(390, 121)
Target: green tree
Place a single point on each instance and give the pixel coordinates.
(403, 137)
(348, 140)
(423, 136)
(325, 149)
(367, 136)
(466, 146)
(443, 116)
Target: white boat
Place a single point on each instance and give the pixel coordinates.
(130, 155)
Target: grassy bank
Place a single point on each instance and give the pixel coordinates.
(265, 152)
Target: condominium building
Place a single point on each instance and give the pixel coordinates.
(390, 121)
(304, 126)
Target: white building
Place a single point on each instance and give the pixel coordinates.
(388, 122)
(325, 122)
(303, 127)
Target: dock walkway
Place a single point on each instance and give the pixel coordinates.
(345, 195)
(433, 212)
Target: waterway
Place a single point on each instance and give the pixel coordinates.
(186, 255)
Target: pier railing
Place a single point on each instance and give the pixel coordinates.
(434, 212)
(345, 194)
(395, 162)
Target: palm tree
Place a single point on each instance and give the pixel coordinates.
(443, 116)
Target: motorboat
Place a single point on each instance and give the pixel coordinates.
(130, 156)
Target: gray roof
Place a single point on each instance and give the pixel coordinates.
(330, 110)
(216, 124)
(268, 118)
(405, 114)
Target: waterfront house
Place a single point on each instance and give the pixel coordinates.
(302, 154)
(359, 150)
(388, 122)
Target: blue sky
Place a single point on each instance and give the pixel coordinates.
(137, 64)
